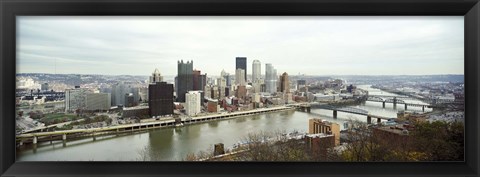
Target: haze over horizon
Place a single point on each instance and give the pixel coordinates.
(315, 46)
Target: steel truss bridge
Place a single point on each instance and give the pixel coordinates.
(396, 100)
(306, 107)
(401, 98)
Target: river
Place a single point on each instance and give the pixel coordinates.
(171, 144)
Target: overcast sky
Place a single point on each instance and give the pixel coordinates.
(306, 45)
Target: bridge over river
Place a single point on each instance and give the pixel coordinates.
(396, 100)
(306, 107)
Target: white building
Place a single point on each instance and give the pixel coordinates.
(240, 77)
(98, 101)
(256, 97)
(27, 83)
(256, 71)
(75, 99)
(192, 103)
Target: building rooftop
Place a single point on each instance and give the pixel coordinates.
(319, 135)
(397, 129)
(136, 107)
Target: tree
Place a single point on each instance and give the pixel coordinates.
(109, 121)
(440, 140)
(88, 120)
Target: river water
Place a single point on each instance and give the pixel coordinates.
(171, 144)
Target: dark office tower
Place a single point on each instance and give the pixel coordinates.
(184, 79)
(129, 100)
(196, 79)
(160, 99)
(242, 64)
(301, 83)
(203, 83)
(199, 81)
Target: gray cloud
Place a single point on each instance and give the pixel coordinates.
(309, 45)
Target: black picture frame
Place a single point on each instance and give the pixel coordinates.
(9, 9)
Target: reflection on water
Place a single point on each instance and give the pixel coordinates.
(175, 143)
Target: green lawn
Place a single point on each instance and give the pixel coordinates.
(57, 118)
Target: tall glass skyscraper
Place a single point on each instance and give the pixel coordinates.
(241, 62)
(270, 78)
(184, 79)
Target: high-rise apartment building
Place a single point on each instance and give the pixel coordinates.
(256, 71)
(184, 79)
(241, 62)
(192, 103)
(160, 101)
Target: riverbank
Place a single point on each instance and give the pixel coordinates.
(35, 138)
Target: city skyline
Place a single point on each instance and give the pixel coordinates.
(318, 45)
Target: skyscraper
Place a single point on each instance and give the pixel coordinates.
(160, 101)
(98, 101)
(256, 71)
(118, 93)
(192, 103)
(284, 83)
(184, 79)
(270, 78)
(196, 79)
(75, 99)
(239, 77)
(199, 81)
(241, 62)
(156, 77)
(227, 77)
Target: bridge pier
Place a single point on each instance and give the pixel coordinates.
(308, 109)
(405, 106)
(334, 114)
(64, 137)
(383, 104)
(423, 108)
(369, 120)
(35, 139)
